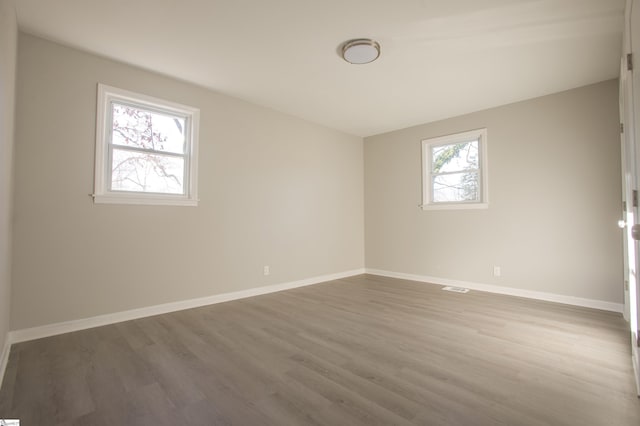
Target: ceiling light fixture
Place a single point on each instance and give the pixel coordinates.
(360, 51)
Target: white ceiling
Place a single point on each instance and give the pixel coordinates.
(440, 58)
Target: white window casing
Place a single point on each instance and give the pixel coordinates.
(145, 162)
(451, 181)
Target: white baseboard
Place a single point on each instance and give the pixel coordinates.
(530, 294)
(33, 333)
(4, 358)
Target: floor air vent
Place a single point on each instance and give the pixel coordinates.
(456, 289)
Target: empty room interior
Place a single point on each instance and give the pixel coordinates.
(295, 212)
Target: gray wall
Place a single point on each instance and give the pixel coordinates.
(554, 194)
(274, 190)
(8, 40)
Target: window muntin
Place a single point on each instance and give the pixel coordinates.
(454, 171)
(146, 150)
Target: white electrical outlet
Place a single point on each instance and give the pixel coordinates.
(496, 271)
(265, 270)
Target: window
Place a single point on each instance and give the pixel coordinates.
(454, 171)
(146, 150)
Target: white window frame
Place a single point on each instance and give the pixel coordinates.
(427, 175)
(102, 182)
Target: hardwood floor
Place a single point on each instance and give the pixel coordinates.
(364, 350)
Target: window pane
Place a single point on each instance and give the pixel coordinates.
(141, 128)
(455, 157)
(143, 172)
(456, 187)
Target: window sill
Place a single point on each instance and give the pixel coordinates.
(461, 206)
(143, 200)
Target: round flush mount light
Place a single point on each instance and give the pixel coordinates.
(360, 51)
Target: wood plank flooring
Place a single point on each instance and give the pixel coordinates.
(364, 350)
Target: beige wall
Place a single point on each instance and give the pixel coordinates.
(554, 185)
(274, 190)
(8, 45)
